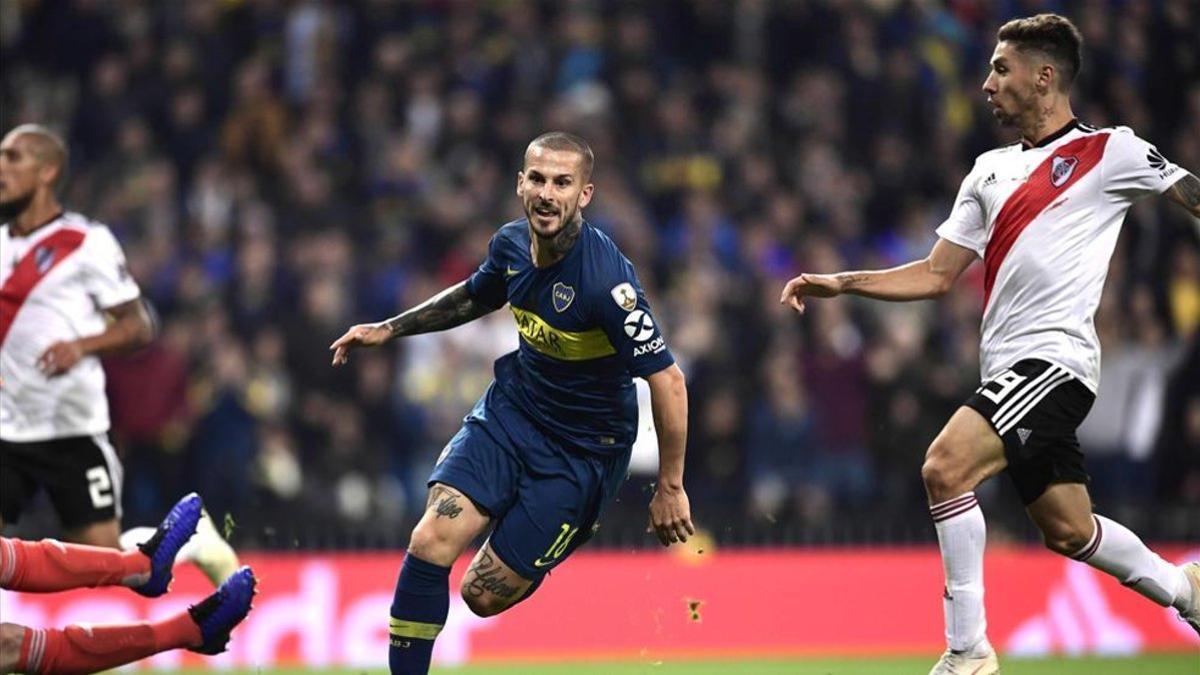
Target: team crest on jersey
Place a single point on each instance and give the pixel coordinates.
(1061, 169)
(43, 258)
(624, 295)
(563, 296)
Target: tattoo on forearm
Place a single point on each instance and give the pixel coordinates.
(852, 279)
(485, 576)
(452, 307)
(1186, 192)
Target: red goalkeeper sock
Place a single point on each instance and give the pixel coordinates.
(47, 566)
(91, 649)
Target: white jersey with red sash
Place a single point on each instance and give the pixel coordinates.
(1045, 220)
(54, 285)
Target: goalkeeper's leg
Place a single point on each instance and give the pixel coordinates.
(47, 566)
(83, 648)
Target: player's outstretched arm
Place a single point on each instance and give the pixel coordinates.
(1186, 193)
(918, 280)
(670, 511)
(131, 328)
(452, 307)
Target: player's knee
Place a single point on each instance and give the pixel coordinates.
(1066, 538)
(431, 545)
(943, 480)
(485, 604)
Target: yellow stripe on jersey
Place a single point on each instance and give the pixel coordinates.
(414, 629)
(561, 344)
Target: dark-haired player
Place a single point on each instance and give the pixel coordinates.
(1044, 215)
(545, 448)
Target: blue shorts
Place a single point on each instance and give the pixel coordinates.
(545, 497)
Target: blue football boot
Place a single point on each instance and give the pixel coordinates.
(217, 614)
(172, 533)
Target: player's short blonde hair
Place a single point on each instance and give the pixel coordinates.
(48, 146)
(568, 142)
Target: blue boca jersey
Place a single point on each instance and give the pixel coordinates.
(586, 331)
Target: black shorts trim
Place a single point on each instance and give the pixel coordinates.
(1035, 408)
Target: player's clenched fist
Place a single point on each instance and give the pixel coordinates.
(814, 285)
(362, 335)
(671, 515)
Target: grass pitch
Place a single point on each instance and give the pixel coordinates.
(1159, 664)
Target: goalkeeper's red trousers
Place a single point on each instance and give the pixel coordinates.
(47, 566)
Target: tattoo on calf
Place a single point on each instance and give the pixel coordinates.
(486, 577)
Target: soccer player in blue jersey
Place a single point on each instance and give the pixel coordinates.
(544, 450)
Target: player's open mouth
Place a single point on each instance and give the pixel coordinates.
(545, 212)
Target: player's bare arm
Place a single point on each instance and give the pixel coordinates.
(452, 307)
(670, 512)
(130, 328)
(1186, 193)
(918, 280)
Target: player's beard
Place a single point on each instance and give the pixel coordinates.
(15, 206)
(1015, 113)
(565, 217)
(1005, 119)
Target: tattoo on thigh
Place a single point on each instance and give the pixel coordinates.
(447, 502)
(449, 507)
(486, 577)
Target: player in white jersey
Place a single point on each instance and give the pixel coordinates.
(66, 298)
(1044, 216)
(60, 274)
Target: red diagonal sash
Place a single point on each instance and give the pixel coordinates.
(1032, 198)
(31, 269)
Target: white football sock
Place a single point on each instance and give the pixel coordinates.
(136, 535)
(1116, 550)
(961, 536)
(139, 535)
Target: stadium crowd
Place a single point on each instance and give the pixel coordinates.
(279, 170)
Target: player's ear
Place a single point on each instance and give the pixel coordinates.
(1045, 77)
(520, 182)
(585, 195)
(49, 174)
